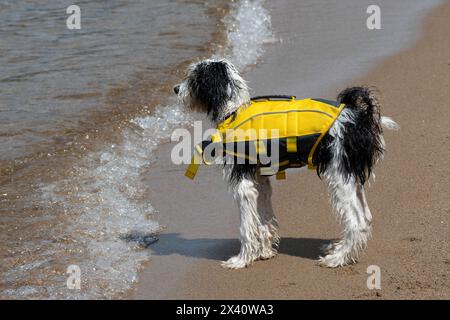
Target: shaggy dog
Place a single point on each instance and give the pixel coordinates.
(344, 158)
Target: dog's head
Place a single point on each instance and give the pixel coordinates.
(214, 87)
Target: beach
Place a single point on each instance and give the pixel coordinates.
(409, 199)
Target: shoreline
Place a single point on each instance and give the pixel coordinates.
(410, 211)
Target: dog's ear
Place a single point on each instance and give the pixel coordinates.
(213, 87)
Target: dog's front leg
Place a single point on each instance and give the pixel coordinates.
(246, 196)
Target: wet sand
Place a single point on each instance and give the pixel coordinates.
(409, 200)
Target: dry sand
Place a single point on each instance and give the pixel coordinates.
(410, 202)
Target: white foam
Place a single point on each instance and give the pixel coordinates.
(249, 28)
(111, 223)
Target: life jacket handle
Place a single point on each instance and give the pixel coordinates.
(274, 97)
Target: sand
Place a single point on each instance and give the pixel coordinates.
(410, 201)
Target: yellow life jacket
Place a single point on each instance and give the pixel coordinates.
(296, 126)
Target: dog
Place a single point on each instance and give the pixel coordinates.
(344, 158)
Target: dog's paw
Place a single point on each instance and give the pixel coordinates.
(268, 254)
(332, 248)
(328, 248)
(338, 256)
(236, 262)
(332, 261)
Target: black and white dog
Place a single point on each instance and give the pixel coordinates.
(344, 158)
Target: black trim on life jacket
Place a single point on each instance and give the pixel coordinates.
(330, 102)
(274, 97)
(244, 152)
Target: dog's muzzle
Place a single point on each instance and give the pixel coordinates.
(176, 89)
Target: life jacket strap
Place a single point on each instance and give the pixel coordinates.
(260, 147)
(192, 169)
(291, 144)
(196, 160)
(281, 175)
(216, 137)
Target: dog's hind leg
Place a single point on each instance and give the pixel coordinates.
(269, 228)
(349, 203)
(246, 195)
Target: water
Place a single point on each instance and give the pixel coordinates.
(326, 43)
(82, 113)
(51, 76)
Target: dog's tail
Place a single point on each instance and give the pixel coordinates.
(360, 135)
(388, 123)
(364, 98)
